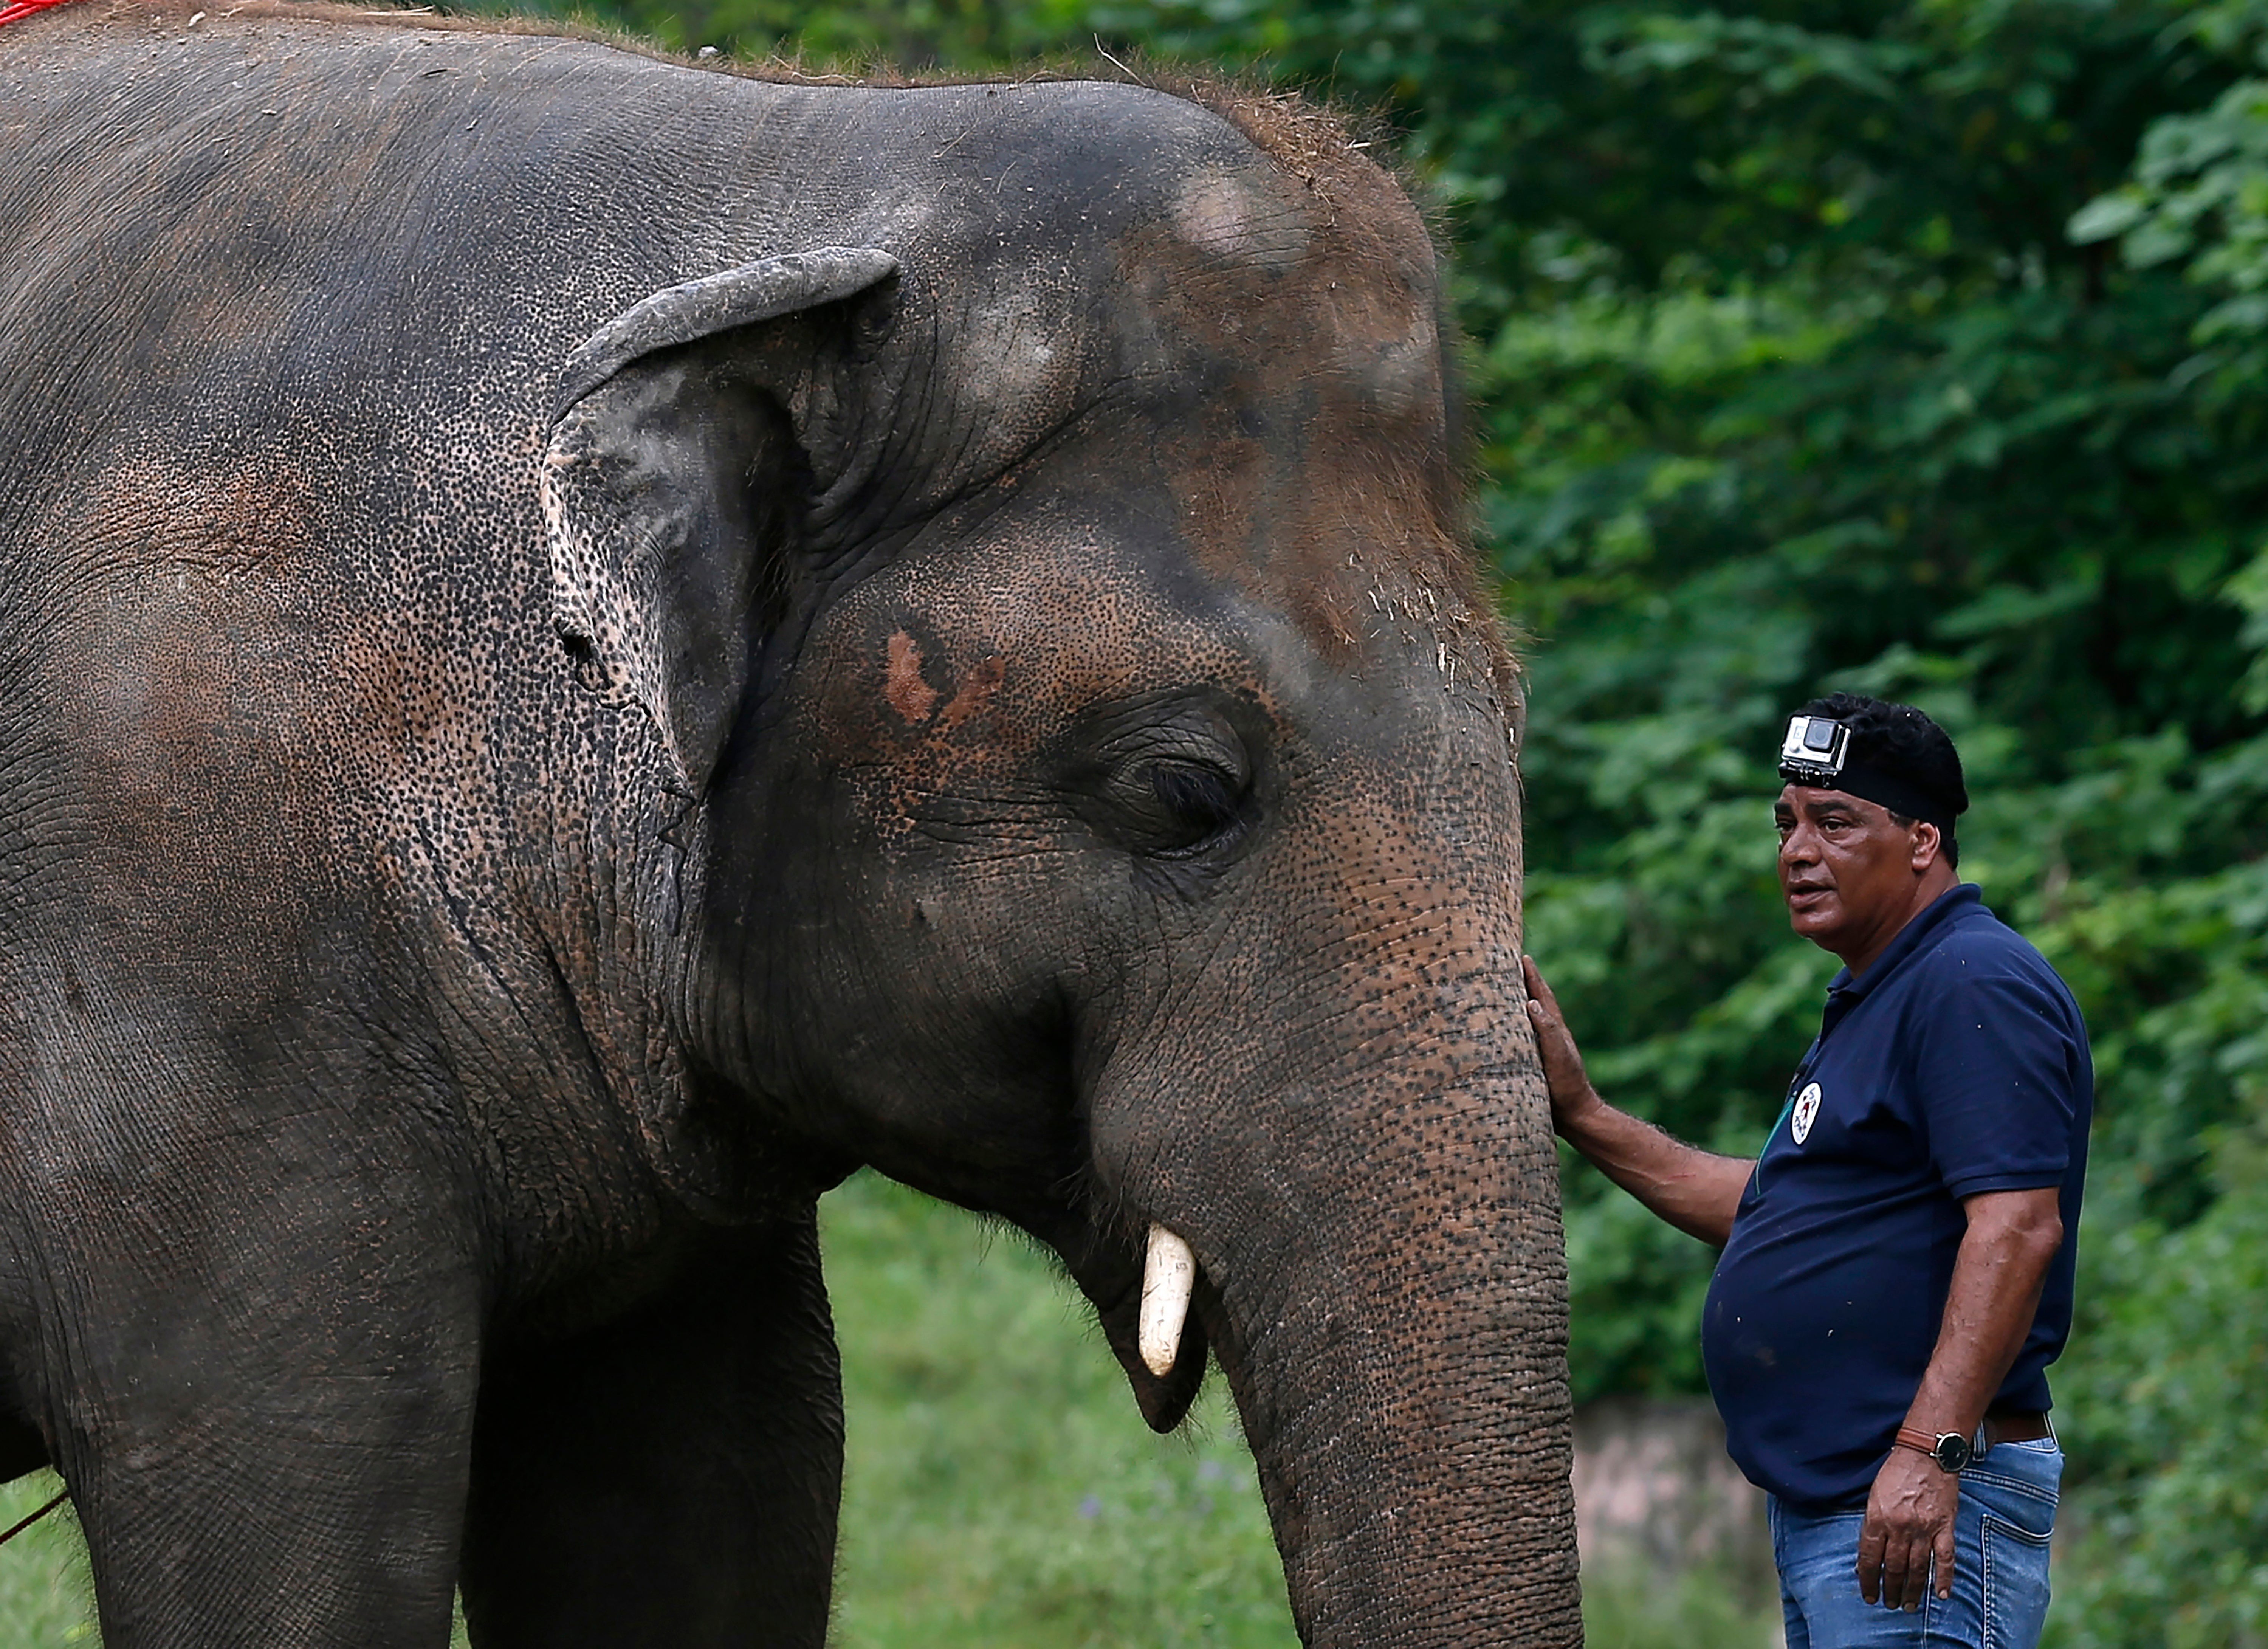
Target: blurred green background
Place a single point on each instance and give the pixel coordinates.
(1911, 347)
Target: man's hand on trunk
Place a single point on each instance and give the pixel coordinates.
(1696, 1191)
(1572, 1097)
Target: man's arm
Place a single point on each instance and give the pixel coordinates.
(1696, 1190)
(1997, 1278)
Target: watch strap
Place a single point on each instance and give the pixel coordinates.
(1924, 1443)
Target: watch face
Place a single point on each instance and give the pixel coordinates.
(1953, 1452)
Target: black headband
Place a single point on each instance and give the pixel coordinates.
(1869, 784)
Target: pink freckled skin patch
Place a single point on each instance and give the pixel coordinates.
(909, 696)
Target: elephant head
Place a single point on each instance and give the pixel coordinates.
(1043, 591)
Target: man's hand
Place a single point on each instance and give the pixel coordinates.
(1696, 1191)
(1989, 1307)
(1909, 1521)
(1573, 1096)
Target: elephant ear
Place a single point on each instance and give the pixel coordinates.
(667, 479)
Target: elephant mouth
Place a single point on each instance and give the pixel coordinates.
(1109, 1272)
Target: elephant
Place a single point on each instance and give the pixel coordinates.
(590, 644)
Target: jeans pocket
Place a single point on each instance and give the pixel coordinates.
(2015, 1584)
(2019, 1482)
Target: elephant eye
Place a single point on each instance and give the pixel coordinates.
(1188, 804)
(1170, 777)
(1201, 799)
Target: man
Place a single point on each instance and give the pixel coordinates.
(1896, 1273)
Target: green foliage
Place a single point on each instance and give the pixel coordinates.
(962, 35)
(2174, 1547)
(2199, 194)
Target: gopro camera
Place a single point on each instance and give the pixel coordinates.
(1812, 753)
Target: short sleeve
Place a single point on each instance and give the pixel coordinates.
(1997, 1068)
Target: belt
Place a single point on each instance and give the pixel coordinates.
(2014, 1425)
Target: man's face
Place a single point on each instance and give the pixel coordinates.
(1848, 869)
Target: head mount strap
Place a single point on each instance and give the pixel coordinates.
(1815, 752)
(1872, 784)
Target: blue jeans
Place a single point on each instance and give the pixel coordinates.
(1999, 1567)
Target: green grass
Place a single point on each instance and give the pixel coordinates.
(1001, 1490)
(44, 1595)
(1628, 1607)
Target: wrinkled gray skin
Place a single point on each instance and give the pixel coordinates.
(512, 785)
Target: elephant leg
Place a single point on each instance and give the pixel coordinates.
(672, 1476)
(250, 1337)
(296, 1477)
(22, 1448)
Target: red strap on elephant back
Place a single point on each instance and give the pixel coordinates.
(16, 9)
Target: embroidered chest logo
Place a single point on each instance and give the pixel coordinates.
(1806, 1106)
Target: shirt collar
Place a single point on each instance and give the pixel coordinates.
(1845, 993)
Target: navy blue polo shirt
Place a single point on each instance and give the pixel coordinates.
(1956, 1065)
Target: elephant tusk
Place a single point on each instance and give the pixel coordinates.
(1169, 1274)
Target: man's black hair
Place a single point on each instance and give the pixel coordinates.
(1903, 742)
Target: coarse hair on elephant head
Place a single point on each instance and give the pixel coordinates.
(1099, 808)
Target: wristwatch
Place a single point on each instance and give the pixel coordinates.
(1949, 1449)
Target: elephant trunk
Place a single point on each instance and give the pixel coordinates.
(1384, 1279)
